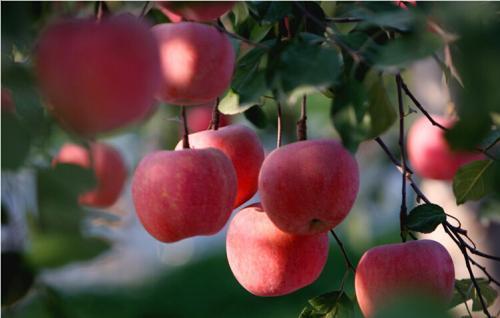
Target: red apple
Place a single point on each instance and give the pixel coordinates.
(200, 11)
(309, 186)
(179, 194)
(108, 166)
(429, 153)
(200, 117)
(197, 62)
(242, 145)
(389, 271)
(98, 76)
(269, 262)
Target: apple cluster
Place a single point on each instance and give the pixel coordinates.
(306, 188)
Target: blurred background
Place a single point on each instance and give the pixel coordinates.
(133, 275)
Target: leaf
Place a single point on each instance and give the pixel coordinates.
(472, 182)
(333, 304)
(464, 291)
(17, 277)
(401, 20)
(406, 49)
(270, 11)
(381, 112)
(300, 68)
(230, 104)
(425, 218)
(55, 249)
(15, 142)
(256, 116)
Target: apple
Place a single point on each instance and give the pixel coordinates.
(240, 144)
(429, 153)
(309, 186)
(7, 101)
(200, 11)
(200, 117)
(197, 62)
(269, 262)
(98, 76)
(109, 169)
(179, 194)
(393, 270)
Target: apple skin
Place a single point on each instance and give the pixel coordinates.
(429, 153)
(109, 169)
(199, 11)
(269, 262)
(388, 271)
(243, 147)
(179, 194)
(197, 62)
(308, 187)
(98, 76)
(200, 117)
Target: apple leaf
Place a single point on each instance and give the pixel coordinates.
(472, 181)
(332, 304)
(425, 218)
(15, 142)
(256, 116)
(464, 291)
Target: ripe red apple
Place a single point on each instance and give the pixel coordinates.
(429, 153)
(197, 62)
(240, 144)
(200, 11)
(269, 262)
(179, 194)
(98, 76)
(309, 186)
(108, 166)
(200, 117)
(389, 271)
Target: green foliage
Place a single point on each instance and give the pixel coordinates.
(474, 180)
(15, 142)
(425, 218)
(17, 277)
(464, 291)
(256, 116)
(329, 305)
(413, 306)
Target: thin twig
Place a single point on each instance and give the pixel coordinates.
(280, 128)
(185, 137)
(302, 122)
(344, 19)
(403, 210)
(348, 263)
(144, 10)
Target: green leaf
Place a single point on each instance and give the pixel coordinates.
(332, 304)
(302, 68)
(464, 291)
(413, 306)
(55, 249)
(270, 11)
(425, 218)
(401, 20)
(406, 49)
(380, 110)
(472, 181)
(256, 116)
(15, 142)
(230, 104)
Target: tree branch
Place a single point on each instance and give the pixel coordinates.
(214, 123)
(185, 137)
(302, 122)
(403, 210)
(348, 263)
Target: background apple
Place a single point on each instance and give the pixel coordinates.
(269, 262)
(243, 147)
(197, 62)
(429, 153)
(98, 76)
(201, 11)
(308, 186)
(199, 117)
(108, 166)
(389, 271)
(179, 194)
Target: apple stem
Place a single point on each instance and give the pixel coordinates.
(185, 137)
(348, 262)
(403, 210)
(280, 128)
(145, 10)
(214, 124)
(302, 122)
(101, 10)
